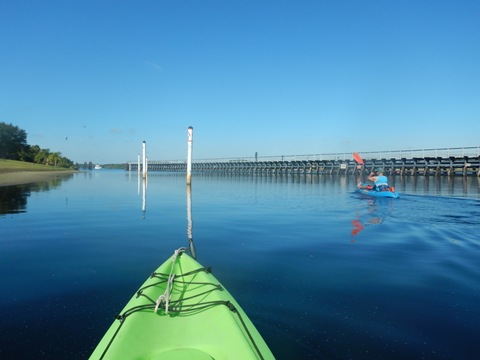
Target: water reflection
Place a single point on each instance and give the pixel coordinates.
(191, 245)
(374, 213)
(461, 186)
(142, 189)
(253, 226)
(13, 199)
(457, 186)
(144, 195)
(143, 184)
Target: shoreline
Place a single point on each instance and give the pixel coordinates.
(28, 177)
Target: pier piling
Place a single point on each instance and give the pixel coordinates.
(189, 155)
(144, 159)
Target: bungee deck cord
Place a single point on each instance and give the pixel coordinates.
(185, 304)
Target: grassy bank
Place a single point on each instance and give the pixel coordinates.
(19, 172)
(7, 166)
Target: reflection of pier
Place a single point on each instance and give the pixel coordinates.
(451, 161)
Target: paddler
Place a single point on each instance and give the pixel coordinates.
(380, 181)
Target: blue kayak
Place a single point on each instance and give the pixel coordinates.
(389, 192)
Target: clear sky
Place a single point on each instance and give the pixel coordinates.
(92, 79)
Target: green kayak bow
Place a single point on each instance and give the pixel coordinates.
(182, 312)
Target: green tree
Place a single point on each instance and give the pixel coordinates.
(41, 157)
(66, 163)
(13, 141)
(53, 158)
(32, 152)
(26, 154)
(13, 145)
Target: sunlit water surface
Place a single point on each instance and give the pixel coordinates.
(323, 273)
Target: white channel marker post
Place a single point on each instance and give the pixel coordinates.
(144, 160)
(189, 155)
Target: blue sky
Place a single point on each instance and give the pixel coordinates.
(92, 79)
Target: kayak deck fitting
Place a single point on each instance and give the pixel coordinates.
(182, 312)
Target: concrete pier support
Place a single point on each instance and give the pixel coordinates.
(421, 166)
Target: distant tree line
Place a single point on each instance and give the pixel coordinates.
(14, 146)
(88, 166)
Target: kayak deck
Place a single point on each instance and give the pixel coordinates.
(388, 192)
(182, 312)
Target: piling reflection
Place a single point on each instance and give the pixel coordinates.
(144, 195)
(191, 244)
(143, 181)
(461, 186)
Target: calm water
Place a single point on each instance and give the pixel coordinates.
(322, 272)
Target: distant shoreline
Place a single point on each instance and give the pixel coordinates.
(29, 177)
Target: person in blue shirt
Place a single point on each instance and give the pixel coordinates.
(379, 180)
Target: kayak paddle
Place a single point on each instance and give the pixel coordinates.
(358, 158)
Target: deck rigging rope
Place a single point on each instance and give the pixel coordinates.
(165, 297)
(184, 305)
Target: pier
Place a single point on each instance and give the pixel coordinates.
(445, 161)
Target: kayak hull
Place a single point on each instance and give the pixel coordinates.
(201, 320)
(375, 193)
